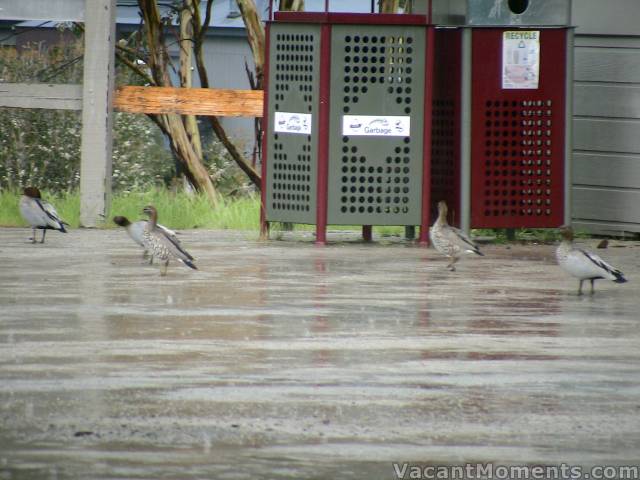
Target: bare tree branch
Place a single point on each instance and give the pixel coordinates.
(135, 68)
(199, 31)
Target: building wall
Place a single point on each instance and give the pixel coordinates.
(225, 58)
(606, 155)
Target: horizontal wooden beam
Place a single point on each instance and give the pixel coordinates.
(190, 101)
(41, 95)
(183, 101)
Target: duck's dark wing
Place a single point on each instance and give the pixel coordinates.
(465, 242)
(608, 271)
(51, 214)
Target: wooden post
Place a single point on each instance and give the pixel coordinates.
(97, 111)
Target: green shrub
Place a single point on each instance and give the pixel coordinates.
(42, 147)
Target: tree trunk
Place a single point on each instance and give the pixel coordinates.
(199, 27)
(389, 6)
(408, 6)
(291, 5)
(182, 146)
(255, 35)
(186, 66)
(185, 141)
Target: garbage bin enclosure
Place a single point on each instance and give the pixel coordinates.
(511, 121)
(347, 120)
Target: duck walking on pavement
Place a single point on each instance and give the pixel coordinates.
(450, 241)
(136, 232)
(162, 246)
(582, 264)
(39, 214)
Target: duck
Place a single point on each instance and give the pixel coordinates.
(161, 245)
(583, 264)
(136, 232)
(450, 241)
(39, 213)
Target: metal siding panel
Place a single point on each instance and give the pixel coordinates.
(619, 17)
(610, 42)
(606, 204)
(606, 170)
(292, 158)
(376, 70)
(606, 141)
(518, 138)
(597, 100)
(603, 227)
(604, 135)
(607, 65)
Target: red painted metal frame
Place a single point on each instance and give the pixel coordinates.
(517, 180)
(426, 148)
(446, 126)
(264, 225)
(323, 136)
(352, 18)
(367, 233)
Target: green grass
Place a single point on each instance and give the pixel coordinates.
(176, 211)
(66, 204)
(182, 211)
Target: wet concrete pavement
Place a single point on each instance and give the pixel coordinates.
(287, 360)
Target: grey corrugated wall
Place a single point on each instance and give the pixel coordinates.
(606, 154)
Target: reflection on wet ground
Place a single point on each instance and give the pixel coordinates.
(288, 360)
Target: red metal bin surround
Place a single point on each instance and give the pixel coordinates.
(446, 118)
(517, 136)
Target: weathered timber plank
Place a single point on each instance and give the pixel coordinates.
(36, 95)
(189, 101)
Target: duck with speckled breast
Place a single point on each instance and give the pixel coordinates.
(450, 241)
(135, 230)
(161, 245)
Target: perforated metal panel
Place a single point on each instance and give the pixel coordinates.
(291, 178)
(376, 70)
(517, 170)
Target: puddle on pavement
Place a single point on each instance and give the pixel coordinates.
(306, 362)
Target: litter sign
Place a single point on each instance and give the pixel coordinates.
(521, 59)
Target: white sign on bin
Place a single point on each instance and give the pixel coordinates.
(376, 125)
(287, 122)
(520, 59)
